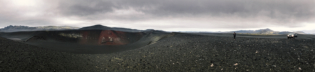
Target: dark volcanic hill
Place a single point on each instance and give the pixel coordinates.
(101, 27)
(93, 39)
(95, 27)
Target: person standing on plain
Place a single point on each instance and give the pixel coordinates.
(234, 35)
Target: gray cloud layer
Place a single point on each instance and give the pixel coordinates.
(278, 10)
(281, 12)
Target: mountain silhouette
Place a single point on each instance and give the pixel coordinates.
(96, 27)
(15, 28)
(266, 31)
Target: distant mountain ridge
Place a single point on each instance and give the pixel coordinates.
(266, 31)
(16, 28)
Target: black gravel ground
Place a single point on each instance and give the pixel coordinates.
(179, 53)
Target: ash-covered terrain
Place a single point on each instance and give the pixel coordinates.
(179, 53)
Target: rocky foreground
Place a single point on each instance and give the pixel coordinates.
(179, 53)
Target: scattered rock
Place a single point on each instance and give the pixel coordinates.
(235, 64)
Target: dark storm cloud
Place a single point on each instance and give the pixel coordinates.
(285, 11)
(85, 7)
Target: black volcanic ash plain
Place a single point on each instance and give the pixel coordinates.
(179, 53)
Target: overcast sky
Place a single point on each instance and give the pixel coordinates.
(168, 15)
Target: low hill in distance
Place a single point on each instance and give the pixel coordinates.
(266, 31)
(14, 28)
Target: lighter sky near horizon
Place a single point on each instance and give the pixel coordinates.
(167, 15)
